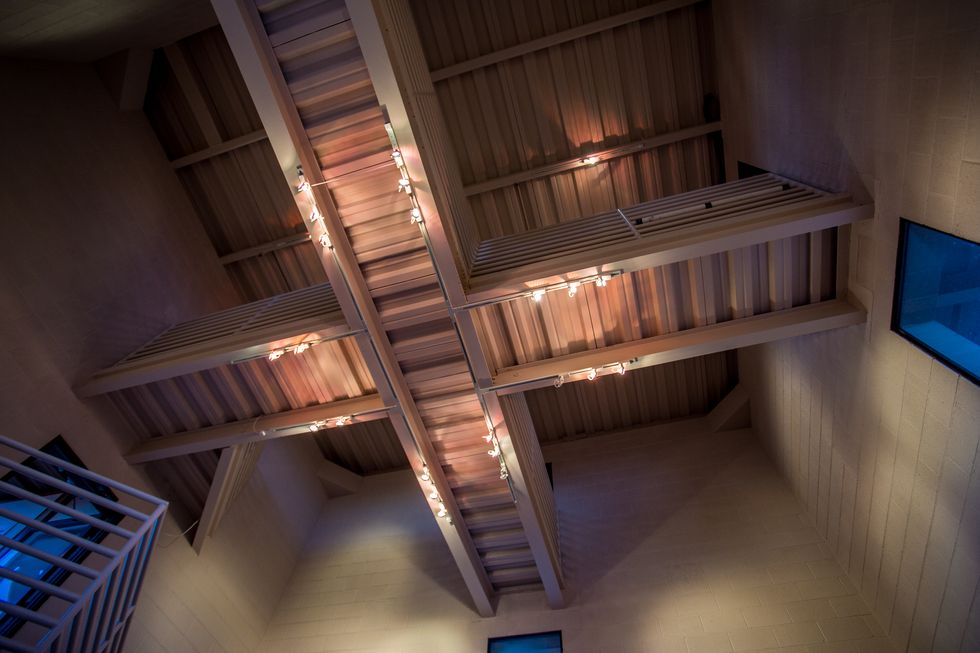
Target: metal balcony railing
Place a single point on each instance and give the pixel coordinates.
(74, 548)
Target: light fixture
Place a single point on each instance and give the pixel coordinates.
(560, 381)
(434, 495)
(573, 288)
(602, 280)
(342, 421)
(622, 367)
(416, 216)
(324, 241)
(405, 185)
(301, 347)
(592, 374)
(495, 451)
(317, 425)
(425, 473)
(303, 185)
(276, 354)
(442, 510)
(590, 160)
(538, 294)
(315, 214)
(397, 156)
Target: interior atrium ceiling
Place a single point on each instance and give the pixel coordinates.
(512, 117)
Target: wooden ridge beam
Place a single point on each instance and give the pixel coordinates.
(388, 39)
(220, 148)
(629, 255)
(690, 343)
(257, 429)
(560, 37)
(264, 78)
(576, 162)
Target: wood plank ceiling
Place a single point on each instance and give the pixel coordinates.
(507, 122)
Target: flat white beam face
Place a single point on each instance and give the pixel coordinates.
(274, 103)
(266, 427)
(253, 330)
(690, 343)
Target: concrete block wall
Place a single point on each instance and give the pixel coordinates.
(877, 439)
(99, 251)
(674, 539)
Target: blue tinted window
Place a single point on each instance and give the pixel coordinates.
(537, 643)
(937, 296)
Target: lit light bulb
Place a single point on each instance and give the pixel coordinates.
(442, 510)
(425, 473)
(495, 451)
(560, 381)
(590, 160)
(488, 437)
(592, 374)
(303, 185)
(405, 185)
(622, 367)
(317, 425)
(601, 281)
(397, 156)
(301, 347)
(341, 421)
(573, 288)
(504, 474)
(434, 495)
(538, 294)
(315, 214)
(325, 241)
(276, 354)
(416, 216)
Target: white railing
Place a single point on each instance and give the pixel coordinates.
(89, 609)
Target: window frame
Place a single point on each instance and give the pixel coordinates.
(505, 638)
(896, 317)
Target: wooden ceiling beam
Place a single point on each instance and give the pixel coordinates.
(691, 225)
(258, 429)
(245, 332)
(388, 39)
(690, 343)
(264, 78)
(220, 148)
(273, 245)
(560, 37)
(601, 156)
(235, 467)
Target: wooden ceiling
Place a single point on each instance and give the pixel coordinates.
(650, 76)
(526, 90)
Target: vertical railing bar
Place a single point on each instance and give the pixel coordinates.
(142, 571)
(105, 606)
(118, 599)
(91, 621)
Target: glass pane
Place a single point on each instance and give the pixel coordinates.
(537, 643)
(939, 296)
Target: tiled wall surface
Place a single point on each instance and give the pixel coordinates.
(674, 539)
(100, 249)
(877, 439)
